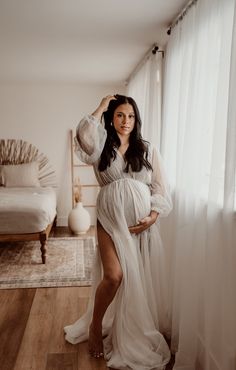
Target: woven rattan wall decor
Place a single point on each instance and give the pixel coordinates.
(19, 151)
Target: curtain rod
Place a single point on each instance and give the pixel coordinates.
(181, 15)
(153, 50)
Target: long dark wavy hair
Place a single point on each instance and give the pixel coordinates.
(136, 156)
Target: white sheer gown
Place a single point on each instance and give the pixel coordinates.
(138, 313)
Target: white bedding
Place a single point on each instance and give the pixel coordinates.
(26, 210)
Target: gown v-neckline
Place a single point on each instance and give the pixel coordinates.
(120, 154)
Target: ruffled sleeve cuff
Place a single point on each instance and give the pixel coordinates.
(161, 205)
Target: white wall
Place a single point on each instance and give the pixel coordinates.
(43, 114)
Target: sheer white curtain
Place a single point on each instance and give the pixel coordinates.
(199, 148)
(145, 87)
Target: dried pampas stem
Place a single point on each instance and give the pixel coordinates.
(77, 187)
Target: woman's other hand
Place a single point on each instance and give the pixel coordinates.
(144, 223)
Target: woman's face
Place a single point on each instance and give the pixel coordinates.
(124, 119)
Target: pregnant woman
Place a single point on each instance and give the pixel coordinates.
(127, 310)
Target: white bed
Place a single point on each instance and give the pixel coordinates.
(28, 198)
(26, 210)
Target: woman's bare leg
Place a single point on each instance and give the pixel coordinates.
(106, 290)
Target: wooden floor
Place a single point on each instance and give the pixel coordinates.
(31, 328)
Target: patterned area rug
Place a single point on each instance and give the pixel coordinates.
(69, 263)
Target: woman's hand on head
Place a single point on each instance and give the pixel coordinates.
(103, 106)
(106, 101)
(144, 223)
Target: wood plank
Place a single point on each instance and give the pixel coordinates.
(14, 312)
(71, 303)
(62, 361)
(33, 350)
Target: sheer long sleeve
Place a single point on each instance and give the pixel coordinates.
(90, 139)
(160, 194)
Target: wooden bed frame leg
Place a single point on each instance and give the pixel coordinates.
(43, 237)
(43, 241)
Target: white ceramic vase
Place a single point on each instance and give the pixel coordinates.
(79, 219)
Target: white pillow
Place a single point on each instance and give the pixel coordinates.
(17, 175)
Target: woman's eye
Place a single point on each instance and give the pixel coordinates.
(121, 115)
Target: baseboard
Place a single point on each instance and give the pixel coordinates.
(63, 221)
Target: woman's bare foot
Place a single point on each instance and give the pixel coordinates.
(95, 344)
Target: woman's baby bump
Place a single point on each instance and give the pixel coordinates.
(127, 198)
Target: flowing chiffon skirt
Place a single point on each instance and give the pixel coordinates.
(133, 320)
